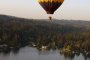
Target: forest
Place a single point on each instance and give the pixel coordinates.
(64, 35)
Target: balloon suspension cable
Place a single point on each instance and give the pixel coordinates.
(50, 18)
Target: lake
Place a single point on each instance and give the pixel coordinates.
(31, 53)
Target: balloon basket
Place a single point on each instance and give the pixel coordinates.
(50, 18)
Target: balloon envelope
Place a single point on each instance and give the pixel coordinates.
(50, 6)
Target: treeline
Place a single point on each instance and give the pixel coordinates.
(20, 32)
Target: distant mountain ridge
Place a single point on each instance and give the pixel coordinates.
(76, 23)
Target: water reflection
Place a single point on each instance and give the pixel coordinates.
(7, 50)
(43, 54)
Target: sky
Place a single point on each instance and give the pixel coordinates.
(70, 9)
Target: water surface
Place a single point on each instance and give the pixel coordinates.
(30, 53)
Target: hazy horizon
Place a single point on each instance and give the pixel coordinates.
(70, 9)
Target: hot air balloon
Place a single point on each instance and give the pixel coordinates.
(50, 6)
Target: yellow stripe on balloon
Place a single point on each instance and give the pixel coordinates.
(51, 1)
